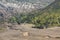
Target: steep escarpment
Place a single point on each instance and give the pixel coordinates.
(25, 5)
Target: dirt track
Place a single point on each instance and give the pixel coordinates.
(32, 34)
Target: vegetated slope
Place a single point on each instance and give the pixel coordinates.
(47, 17)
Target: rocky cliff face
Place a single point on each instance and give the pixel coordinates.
(26, 5)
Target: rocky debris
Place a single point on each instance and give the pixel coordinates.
(24, 32)
(17, 6)
(29, 35)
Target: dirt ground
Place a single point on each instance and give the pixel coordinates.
(21, 32)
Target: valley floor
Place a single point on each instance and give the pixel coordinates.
(30, 34)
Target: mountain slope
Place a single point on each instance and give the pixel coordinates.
(9, 8)
(47, 17)
(28, 3)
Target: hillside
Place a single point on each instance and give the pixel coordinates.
(29, 19)
(47, 17)
(9, 8)
(25, 5)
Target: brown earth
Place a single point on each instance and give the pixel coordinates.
(24, 32)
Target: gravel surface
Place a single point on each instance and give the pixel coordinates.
(20, 32)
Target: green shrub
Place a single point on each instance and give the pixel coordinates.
(12, 19)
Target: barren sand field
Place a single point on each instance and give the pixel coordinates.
(27, 33)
